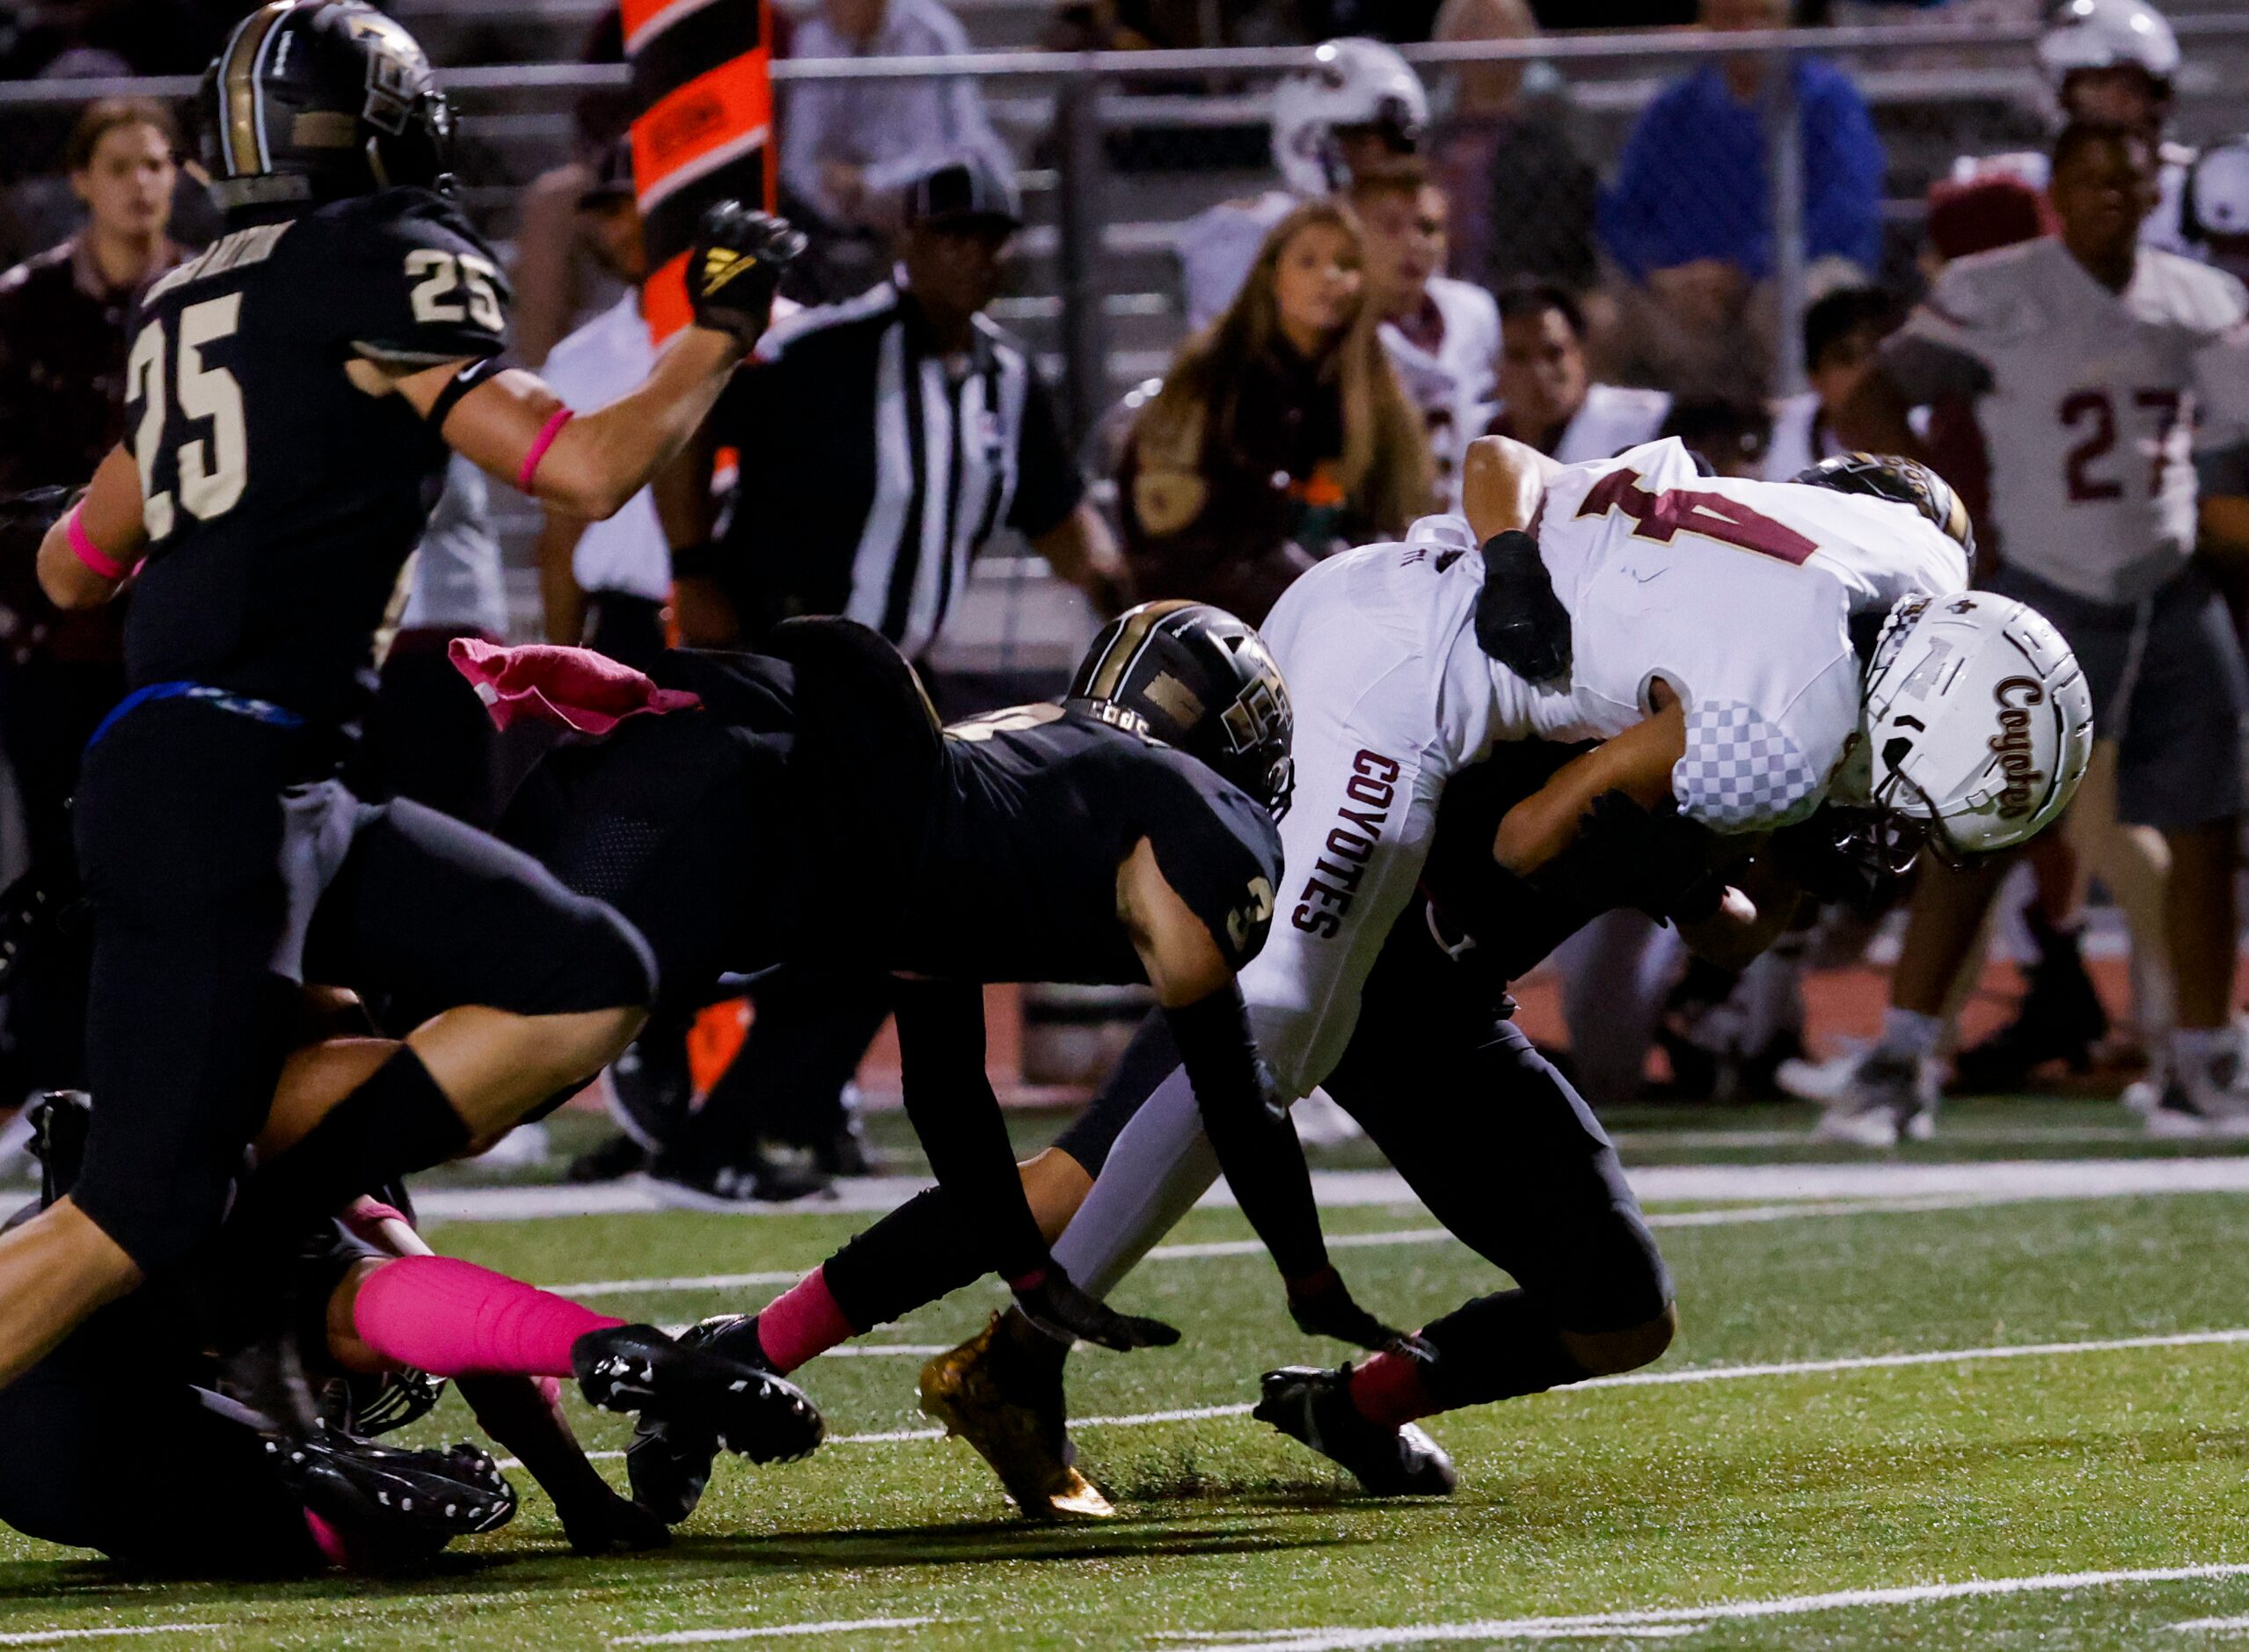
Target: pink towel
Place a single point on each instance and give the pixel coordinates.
(575, 687)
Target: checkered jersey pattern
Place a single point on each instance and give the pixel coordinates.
(1739, 773)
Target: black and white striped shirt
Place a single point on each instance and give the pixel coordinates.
(872, 468)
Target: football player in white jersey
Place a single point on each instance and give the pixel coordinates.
(1359, 105)
(2091, 357)
(1746, 651)
(1547, 398)
(1441, 335)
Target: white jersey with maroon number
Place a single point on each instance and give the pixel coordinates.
(1452, 384)
(1739, 594)
(2087, 402)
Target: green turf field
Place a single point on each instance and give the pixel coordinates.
(1741, 1508)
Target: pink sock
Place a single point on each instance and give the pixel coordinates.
(801, 1322)
(454, 1319)
(329, 1541)
(1386, 1390)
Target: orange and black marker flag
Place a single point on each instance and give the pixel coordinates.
(703, 86)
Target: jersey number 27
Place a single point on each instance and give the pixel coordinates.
(213, 468)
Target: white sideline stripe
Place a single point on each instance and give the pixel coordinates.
(2223, 1624)
(1993, 1181)
(766, 1631)
(1954, 1135)
(49, 1637)
(1341, 1640)
(1203, 1252)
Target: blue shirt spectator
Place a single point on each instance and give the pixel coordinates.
(1693, 183)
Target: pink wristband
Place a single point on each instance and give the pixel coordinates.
(1031, 1281)
(83, 548)
(540, 443)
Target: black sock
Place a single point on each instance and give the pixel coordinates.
(920, 1252)
(1495, 1348)
(397, 1120)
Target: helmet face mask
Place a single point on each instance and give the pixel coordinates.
(1977, 725)
(1194, 677)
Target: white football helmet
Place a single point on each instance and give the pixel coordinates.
(1978, 721)
(1350, 82)
(2107, 34)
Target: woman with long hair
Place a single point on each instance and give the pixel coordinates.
(1281, 433)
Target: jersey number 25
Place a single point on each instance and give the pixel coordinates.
(212, 469)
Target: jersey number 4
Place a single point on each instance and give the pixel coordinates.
(1677, 511)
(214, 468)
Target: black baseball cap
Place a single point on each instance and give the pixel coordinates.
(962, 192)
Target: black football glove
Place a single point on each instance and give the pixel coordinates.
(734, 268)
(1066, 1313)
(1323, 1306)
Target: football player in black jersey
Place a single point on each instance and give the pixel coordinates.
(1125, 835)
(292, 394)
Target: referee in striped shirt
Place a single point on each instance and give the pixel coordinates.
(884, 440)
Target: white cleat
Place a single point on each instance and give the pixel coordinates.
(1887, 1099)
(2210, 1105)
(1821, 1081)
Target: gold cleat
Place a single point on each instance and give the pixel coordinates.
(962, 1390)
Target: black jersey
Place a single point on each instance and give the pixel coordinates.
(1033, 811)
(281, 500)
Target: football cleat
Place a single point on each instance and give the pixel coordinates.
(751, 1412)
(2209, 1105)
(1021, 1432)
(2061, 1018)
(392, 1508)
(1313, 1405)
(1888, 1098)
(669, 1459)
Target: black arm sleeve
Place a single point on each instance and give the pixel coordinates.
(951, 1103)
(1255, 1140)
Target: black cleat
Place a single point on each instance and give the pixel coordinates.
(2060, 1017)
(610, 1160)
(669, 1460)
(763, 1181)
(693, 1387)
(1314, 1406)
(393, 1508)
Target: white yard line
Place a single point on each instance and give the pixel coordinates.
(2219, 1625)
(1957, 1136)
(55, 1637)
(1692, 1374)
(1622, 1623)
(590, 1290)
(771, 1632)
(1992, 1182)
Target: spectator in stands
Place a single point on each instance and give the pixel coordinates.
(1731, 435)
(556, 279)
(1361, 105)
(1547, 396)
(1442, 335)
(62, 349)
(1281, 434)
(605, 584)
(1841, 333)
(1523, 197)
(1689, 216)
(850, 148)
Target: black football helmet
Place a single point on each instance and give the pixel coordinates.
(1903, 481)
(1198, 679)
(316, 101)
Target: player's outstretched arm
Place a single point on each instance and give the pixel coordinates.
(1638, 763)
(91, 548)
(1252, 1135)
(511, 424)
